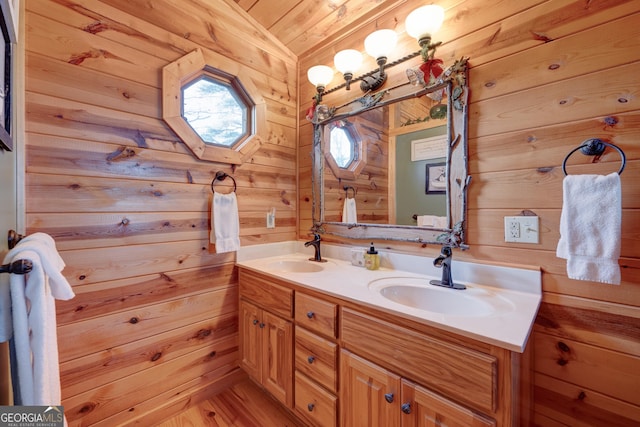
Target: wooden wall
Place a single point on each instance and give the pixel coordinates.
(545, 76)
(153, 325)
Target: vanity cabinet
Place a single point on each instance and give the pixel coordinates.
(316, 355)
(337, 362)
(266, 335)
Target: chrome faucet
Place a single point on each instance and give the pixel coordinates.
(444, 262)
(316, 245)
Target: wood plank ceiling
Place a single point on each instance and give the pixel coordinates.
(302, 25)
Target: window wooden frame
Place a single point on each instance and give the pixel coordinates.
(178, 73)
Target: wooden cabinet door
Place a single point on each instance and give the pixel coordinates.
(277, 362)
(370, 395)
(423, 408)
(251, 327)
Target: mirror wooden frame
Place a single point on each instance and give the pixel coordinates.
(454, 80)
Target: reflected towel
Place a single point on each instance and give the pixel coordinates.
(349, 212)
(590, 227)
(225, 225)
(34, 319)
(432, 221)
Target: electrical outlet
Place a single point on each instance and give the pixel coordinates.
(521, 229)
(271, 218)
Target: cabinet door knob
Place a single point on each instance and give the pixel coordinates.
(261, 325)
(389, 397)
(310, 407)
(311, 359)
(255, 321)
(310, 314)
(406, 408)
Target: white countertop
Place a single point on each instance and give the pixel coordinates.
(515, 291)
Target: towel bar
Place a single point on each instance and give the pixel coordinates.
(13, 238)
(221, 176)
(22, 266)
(595, 147)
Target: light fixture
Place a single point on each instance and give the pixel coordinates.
(347, 62)
(421, 24)
(379, 45)
(320, 76)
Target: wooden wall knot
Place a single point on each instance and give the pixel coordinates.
(156, 356)
(96, 27)
(121, 152)
(125, 221)
(88, 407)
(203, 333)
(134, 320)
(610, 121)
(582, 395)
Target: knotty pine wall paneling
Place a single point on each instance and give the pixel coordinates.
(544, 76)
(153, 326)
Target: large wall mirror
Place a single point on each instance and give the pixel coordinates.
(399, 156)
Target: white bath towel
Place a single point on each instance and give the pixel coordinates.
(590, 227)
(432, 221)
(349, 211)
(225, 224)
(34, 319)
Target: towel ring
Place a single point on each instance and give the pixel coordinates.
(346, 191)
(595, 147)
(221, 176)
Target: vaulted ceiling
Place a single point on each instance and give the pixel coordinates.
(302, 25)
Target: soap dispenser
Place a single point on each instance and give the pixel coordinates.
(372, 259)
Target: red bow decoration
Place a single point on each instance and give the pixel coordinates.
(430, 68)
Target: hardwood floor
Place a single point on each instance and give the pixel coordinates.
(243, 405)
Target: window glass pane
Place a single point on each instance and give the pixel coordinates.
(342, 147)
(214, 111)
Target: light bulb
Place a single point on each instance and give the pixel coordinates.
(348, 61)
(380, 43)
(424, 21)
(320, 75)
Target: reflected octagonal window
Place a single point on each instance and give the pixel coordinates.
(217, 110)
(343, 146)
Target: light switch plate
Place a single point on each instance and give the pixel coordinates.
(521, 229)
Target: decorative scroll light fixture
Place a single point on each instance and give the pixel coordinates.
(421, 24)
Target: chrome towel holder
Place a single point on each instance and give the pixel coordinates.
(221, 176)
(595, 147)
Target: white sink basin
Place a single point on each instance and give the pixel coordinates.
(295, 266)
(416, 292)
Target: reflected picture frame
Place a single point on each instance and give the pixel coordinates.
(436, 178)
(8, 25)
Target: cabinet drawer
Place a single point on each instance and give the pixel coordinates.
(266, 293)
(463, 374)
(316, 358)
(316, 314)
(314, 404)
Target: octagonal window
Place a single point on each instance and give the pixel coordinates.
(343, 146)
(344, 149)
(217, 110)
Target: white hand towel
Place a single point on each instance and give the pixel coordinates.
(590, 227)
(432, 221)
(349, 211)
(225, 225)
(34, 319)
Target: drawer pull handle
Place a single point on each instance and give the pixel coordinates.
(311, 359)
(261, 325)
(310, 407)
(255, 321)
(389, 397)
(406, 408)
(310, 314)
